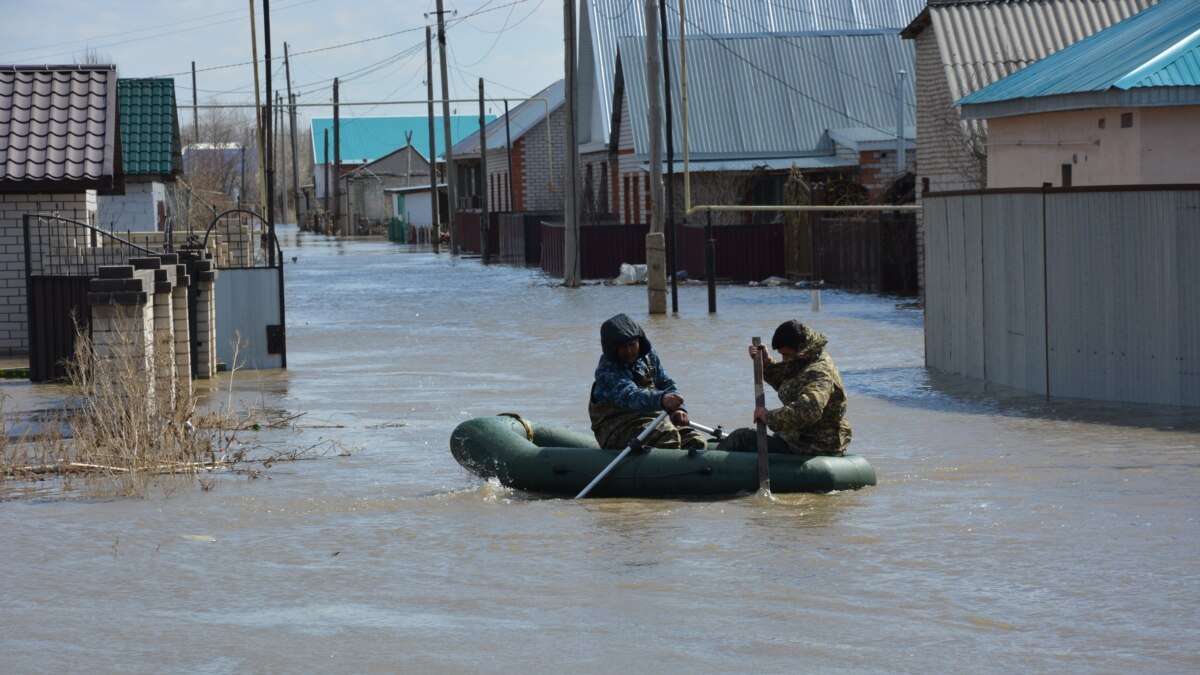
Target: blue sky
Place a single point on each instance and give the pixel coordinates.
(515, 45)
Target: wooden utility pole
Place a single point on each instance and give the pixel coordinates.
(258, 120)
(434, 193)
(571, 175)
(287, 69)
(325, 156)
(451, 190)
(483, 183)
(656, 259)
(270, 175)
(337, 162)
(508, 151)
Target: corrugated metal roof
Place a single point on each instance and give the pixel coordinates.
(58, 128)
(982, 42)
(603, 23)
(776, 96)
(1157, 47)
(366, 139)
(520, 120)
(150, 142)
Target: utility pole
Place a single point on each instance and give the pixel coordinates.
(258, 120)
(337, 162)
(287, 69)
(483, 183)
(451, 189)
(571, 175)
(672, 249)
(434, 193)
(901, 160)
(195, 108)
(270, 177)
(325, 156)
(656, 263)
(280, 156)
(508, 151)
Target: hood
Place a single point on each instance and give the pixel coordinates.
(814, 344)
(619, 330)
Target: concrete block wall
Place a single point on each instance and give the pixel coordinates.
(206, 319)
(134, 211)
(179, 324)
(14, 327)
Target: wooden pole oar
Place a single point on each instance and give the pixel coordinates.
(637, 442)
(760, 401)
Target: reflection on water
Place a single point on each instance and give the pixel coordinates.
(1007, 532)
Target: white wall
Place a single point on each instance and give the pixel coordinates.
(134, 211)
(418, 208)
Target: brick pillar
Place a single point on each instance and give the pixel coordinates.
(123, 318)
(206, 319)
(164, 328)
(179, 316)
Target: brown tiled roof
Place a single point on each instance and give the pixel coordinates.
(58, 129)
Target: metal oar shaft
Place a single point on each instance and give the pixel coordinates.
(629, 448)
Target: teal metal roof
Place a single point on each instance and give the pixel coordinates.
(150, 143)
(1121, 65)
(369, 138)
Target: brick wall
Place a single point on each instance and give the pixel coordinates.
(543, 184)
(14, 329)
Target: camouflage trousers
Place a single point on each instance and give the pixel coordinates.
(616, 433)
(746, 440)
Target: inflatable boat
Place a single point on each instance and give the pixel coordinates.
(550, 460)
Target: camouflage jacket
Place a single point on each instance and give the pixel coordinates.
(813, 417)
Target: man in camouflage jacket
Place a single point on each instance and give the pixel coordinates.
(812, 420)
(631, 388)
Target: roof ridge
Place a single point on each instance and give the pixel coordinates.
(1163, 58)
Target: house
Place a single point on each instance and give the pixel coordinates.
(150, 152)
(1074, 273)
(366, 187)
(59, 138)
(525, 157)
(965, 45)
(604, 23)
(1121, 107)
(759, 105)
(363, 140)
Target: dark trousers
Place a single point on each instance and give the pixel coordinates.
(746, 440)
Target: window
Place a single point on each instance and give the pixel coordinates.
(1066, 175)
(1126, 120)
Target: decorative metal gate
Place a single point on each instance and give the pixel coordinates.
(61, 258)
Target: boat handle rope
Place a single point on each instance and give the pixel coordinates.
(524, 422)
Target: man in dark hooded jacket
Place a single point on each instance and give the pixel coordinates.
(631, 388)
(812, 420)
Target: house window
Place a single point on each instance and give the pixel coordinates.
(1066, 175)
(1126, 120)
(767, 191)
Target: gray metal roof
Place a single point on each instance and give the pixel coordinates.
(58, 129)
(1119, 66)
(982, 42)
(776, 96)
(603, 22)
(521, 119)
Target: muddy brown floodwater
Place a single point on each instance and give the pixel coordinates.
(1007, 533)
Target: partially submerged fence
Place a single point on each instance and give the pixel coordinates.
(1075, 292)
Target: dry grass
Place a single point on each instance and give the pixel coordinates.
(120, 437)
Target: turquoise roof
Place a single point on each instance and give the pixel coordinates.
(369, 138)
(1156, 48)
(150, 143)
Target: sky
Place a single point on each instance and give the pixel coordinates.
(375, 47)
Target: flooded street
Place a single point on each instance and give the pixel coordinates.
(1007, 532)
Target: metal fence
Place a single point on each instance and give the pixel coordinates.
(1073, 292)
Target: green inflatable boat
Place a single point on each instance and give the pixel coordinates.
(545, 459)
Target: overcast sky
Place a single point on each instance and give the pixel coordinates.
(515, 45)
